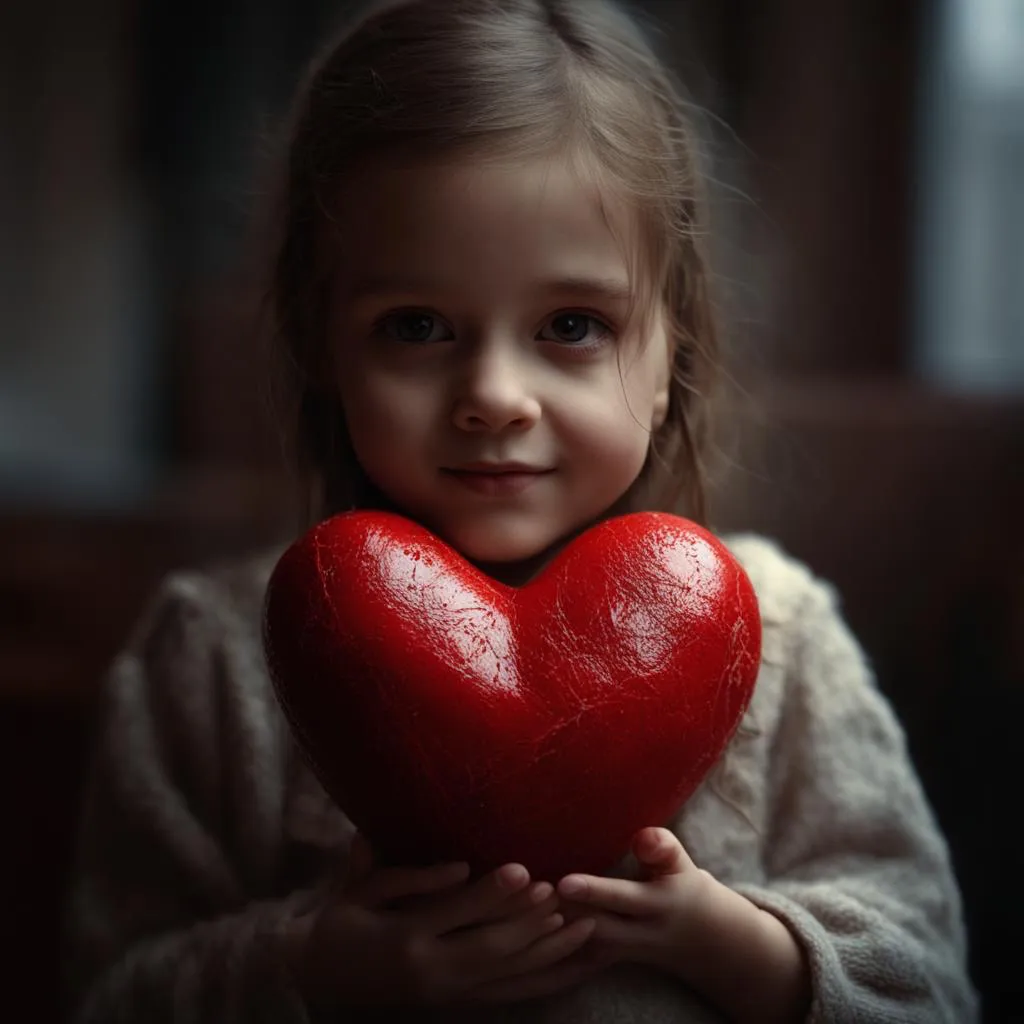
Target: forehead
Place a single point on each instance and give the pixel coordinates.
(483, 221)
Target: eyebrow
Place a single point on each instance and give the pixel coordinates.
(609, 289)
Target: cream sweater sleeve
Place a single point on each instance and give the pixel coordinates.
(173, 914)
(853, 859)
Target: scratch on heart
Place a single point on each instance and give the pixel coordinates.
(450, 716)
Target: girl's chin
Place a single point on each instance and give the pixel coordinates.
(509, 559)
(509, 563)
(513, 565)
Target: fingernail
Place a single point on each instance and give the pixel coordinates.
(541, 891)
(512, 876)
(572, 887)
(652, 842)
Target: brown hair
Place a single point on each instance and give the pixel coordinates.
(426, 78)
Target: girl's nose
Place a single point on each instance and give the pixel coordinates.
(493, 394)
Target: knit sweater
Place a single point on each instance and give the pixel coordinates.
(203, 830)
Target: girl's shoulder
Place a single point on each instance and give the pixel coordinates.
(230, 589)
(195, 611)
(235, 589)
(800, 611)
(226, 599)
(784, 585)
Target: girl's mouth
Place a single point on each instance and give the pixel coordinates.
(497, 480)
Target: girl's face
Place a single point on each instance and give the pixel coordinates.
(491, 386)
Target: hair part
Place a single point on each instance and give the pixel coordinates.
(499, 80)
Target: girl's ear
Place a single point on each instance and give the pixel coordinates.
(663, 380)
(660, 409)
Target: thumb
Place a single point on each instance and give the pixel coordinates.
(659, 852)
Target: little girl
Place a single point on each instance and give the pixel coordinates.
(492, 296)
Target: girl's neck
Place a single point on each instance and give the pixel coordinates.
(511, 574)
(518, 574)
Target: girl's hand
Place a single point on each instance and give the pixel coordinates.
(646, 921)
(429, 936)
(640, 921)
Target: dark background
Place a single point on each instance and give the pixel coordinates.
(135, 438)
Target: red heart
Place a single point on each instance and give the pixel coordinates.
(454, 718)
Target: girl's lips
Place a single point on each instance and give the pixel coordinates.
(497, 483)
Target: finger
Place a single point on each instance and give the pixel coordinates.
(574, 911)
(481, 953)
(537, 896)
(615, 932)
(551, 949)
(618, 895)
(542, 969)
(659, 851)
(477, 902)
(430, 908)
(386, 884)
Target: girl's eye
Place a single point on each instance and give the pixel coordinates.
(413, 328)
(576, 329)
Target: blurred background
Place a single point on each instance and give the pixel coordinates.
(872, 158)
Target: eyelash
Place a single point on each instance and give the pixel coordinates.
(605, 329)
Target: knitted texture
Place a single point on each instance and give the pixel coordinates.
(203, 831)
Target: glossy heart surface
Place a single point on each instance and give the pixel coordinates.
(454, 718)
